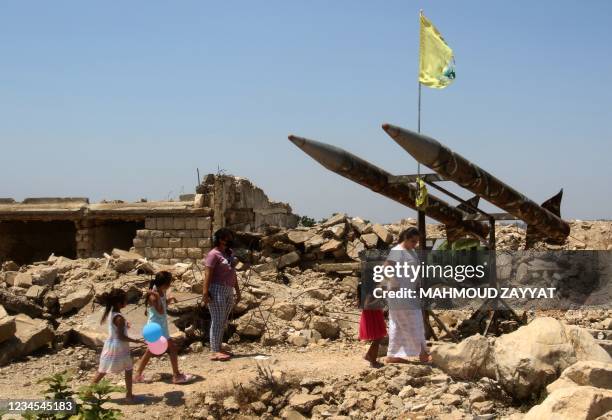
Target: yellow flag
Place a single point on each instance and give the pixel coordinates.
(422, 198)
(436, 60)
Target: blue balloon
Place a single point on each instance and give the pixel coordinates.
(152, 332)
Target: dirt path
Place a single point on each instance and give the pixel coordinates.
(161, 397)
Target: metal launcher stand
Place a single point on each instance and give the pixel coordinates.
(488, 314)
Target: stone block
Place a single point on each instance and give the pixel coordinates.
(370, 239)
(166, 253)
(7, 326)
(9, 277)
(331, 245)
(46, 276)
(161, 243)
(198, 201)
(190, 223)
(143, 233)
(140, 251)
(139, 243)
(159, 222)
(204, 243)
(180, 253)
(203, 223)
(184, 233)
(195, 253)
(148, 252)
(31, 334)
(382, 233)
(75, 300)
(23, 280)
(151, 223)
(36, 292)
(190, 242)
(288, 259)
(157, 234)
(178, 223)
(163, 261)
(175, 242)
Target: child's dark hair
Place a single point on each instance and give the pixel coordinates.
(162, 278)
(112, 301)
(408, 233)
(220, 234)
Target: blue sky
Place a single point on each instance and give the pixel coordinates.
(123, 100)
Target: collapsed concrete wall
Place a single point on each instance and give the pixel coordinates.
(36, 228)
(166, 231)
(242, 206)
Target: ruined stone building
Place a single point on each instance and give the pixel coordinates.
(162, 231)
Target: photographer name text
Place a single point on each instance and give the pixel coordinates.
(467, 293)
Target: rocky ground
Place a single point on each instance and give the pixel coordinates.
(295, 335)
(322, 381)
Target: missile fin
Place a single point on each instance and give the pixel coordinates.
(473, 202)
(553, 204)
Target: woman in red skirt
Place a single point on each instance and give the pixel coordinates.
(372, 328)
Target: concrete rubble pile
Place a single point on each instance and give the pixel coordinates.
(299, 291)
(57, 298)
(558, 365)
(410, 391)
(331, 246)
(304, 278)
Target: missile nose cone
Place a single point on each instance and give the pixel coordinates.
(298, 141)
(422, 148)
(329, 156)
(390, 129)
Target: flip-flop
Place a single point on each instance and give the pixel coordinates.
(141, 379)
(395, 360)
(183, 379)
(223, 358)
(428, 361)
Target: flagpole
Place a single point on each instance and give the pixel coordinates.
(419, 125)
(419, 104)
(420, 213)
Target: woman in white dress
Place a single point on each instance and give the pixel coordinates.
(406, 329)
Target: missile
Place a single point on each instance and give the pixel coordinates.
(543, 222)
(376, 179)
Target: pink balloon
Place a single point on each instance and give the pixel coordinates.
(158, 347)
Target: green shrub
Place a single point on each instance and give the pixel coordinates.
(307, 221)
(94, 397)
(58, 388)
